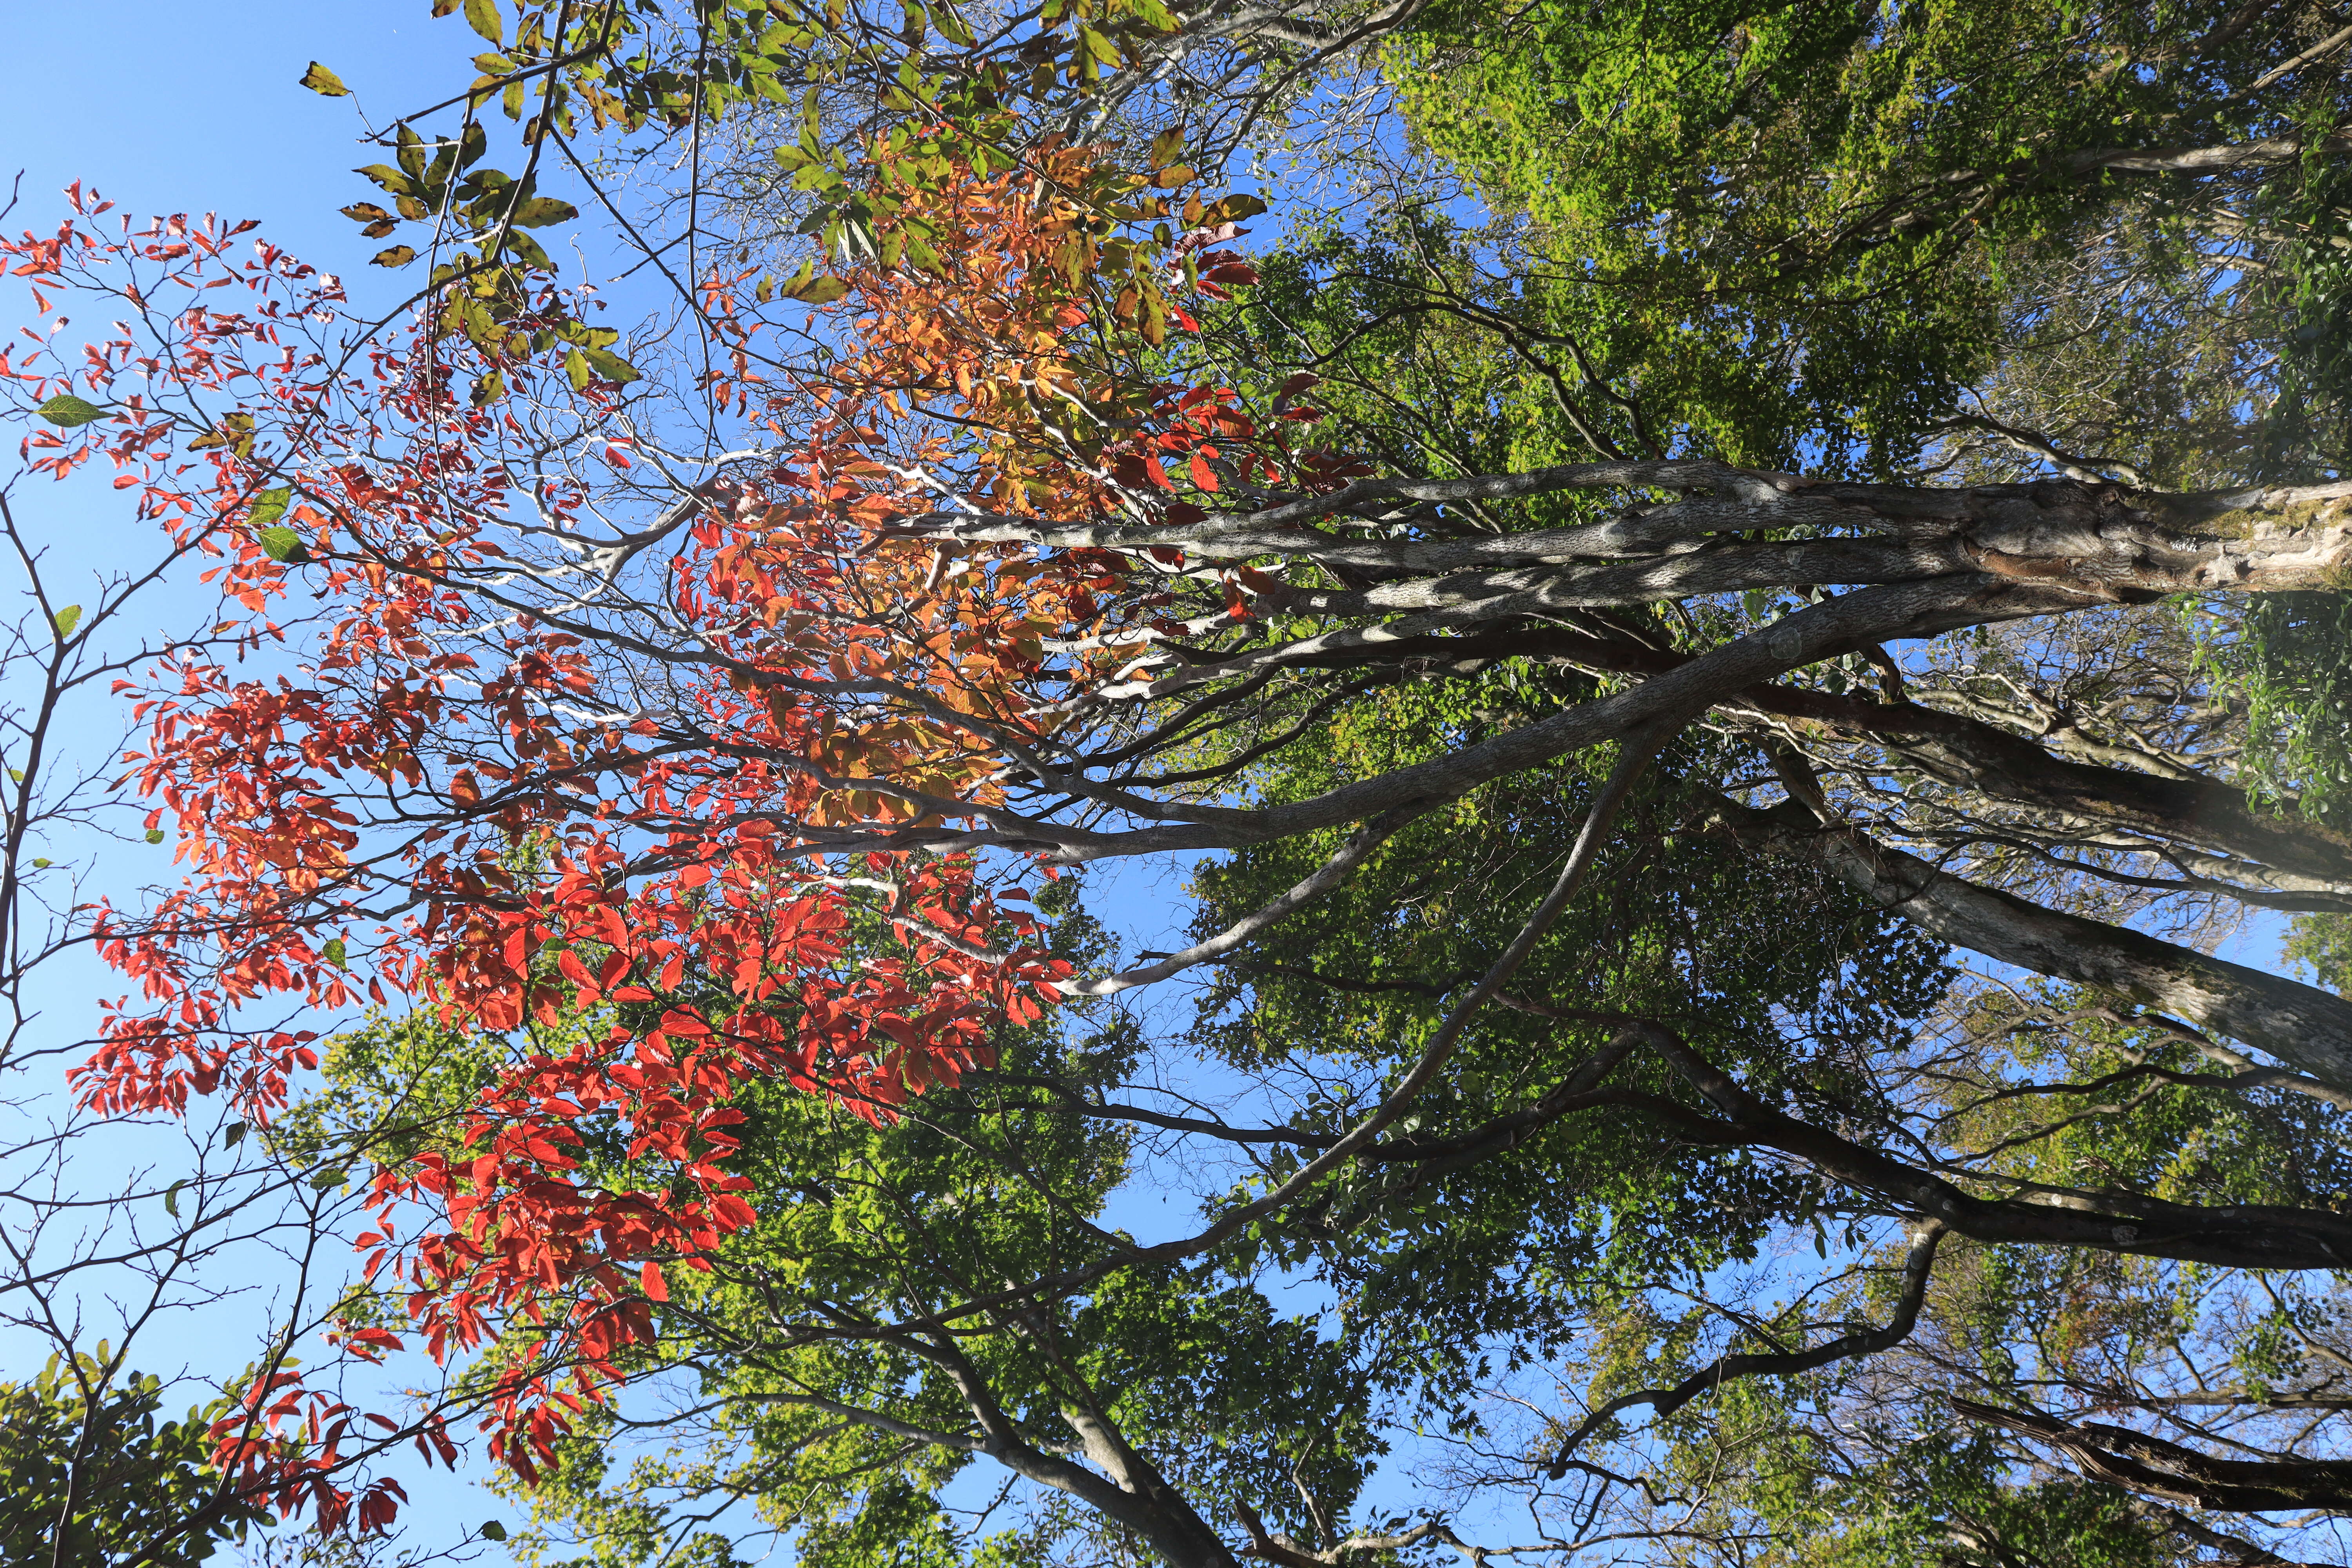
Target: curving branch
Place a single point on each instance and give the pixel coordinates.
(1926, 1235)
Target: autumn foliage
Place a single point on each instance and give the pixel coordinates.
(625, 802)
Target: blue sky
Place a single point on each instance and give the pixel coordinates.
(194, 108)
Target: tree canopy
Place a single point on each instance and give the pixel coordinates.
(1720, 627)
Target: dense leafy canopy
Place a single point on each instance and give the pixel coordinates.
(1813, 227)
(92, 1475)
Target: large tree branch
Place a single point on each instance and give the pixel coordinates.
(1956, 748)
(2238, 1235)
(2137, 1462)
(1133, 1493)
(2298, 1023)
(1670, 701)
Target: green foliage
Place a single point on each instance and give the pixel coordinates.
(2289, 658)
(404, 1085)
(1785, 979)
(1890, 1491)
(140, 1490)
(2185, 1143)
(2324, 942)
(1419, 361)
(793, 1347)
(1805, 220)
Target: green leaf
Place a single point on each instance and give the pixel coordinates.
(283, 545)
(527, 251)
(66, 619)
(334, 952)
(66, 411)
(394, 256)
(820, 290)
(951, 26)
(482, 16)
(493, 1530)
(325, 1179)
(233, 1135)
(171, 1197)
(611, 366)
(324, 83)
(394, 179)
(40, 865)
(540, 211)
(575, 368)
(269, 505)
(154, 835)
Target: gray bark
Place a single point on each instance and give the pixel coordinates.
(2302, 1026)
(1970, 754)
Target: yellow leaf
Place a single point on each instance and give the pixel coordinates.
(482, 16)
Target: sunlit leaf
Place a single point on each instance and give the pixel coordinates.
(394, 179)
(540, 211)
(819, 290)
(612, 367)
(283, 544)
(269, 505)
(67, 411)
(482, 16)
